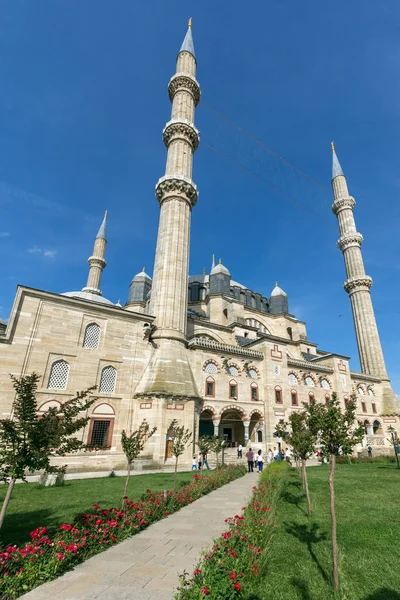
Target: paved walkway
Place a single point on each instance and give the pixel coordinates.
(147, 566)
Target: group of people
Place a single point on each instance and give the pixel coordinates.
(199, 461)
(257, 459)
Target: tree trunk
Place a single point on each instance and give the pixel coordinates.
(126, 481)
(6, 501)
(298, 467)
(305, 482)
(333, 519)
(176, 468)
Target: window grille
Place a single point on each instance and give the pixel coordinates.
(364, 407)
(294, 398)
(58, 375)
(92, 336)
(232, 370)
(107, 380)
(254, 393)
(211, 368)
(233, 391)
(209, 388)
(374, 408)
(309, 381)
(324, 383)
(100, 432)
(278, 395)
(277, 370)
(293, 379)
(252, 373)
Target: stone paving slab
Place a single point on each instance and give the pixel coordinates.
(147, 566)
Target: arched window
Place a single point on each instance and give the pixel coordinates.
(92, 336)
(324, 383)
(211, 368)
(374, 408)
(360, 391)
(294, 398)
(363, 406)
(278, 395)
(377, 428)
(254, 391)
(259, 437)
(101, 426)
(233, 389)
(107, 380)
(232, 370)
(58, 375)
(210, 387)
(225, 311)
(290, 333)
(309, 381)
(252, 373)
(293, 379)
(370, 392)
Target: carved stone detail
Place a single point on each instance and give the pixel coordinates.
(177, 186)
(352, 239)
(186, 82)
(343, 203)
(181, 129)
(97, 261)
(355, 284)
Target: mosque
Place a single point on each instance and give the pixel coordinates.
(202, 349)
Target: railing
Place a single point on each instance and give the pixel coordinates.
(376, 440)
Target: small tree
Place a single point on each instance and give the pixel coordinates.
(28, 443)
(204, 444)
(180, 437)
(338, 435)
(217, 444)
(133, 444)
(302, 439)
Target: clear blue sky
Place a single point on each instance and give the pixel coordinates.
(83, 103)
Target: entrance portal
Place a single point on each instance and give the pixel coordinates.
(206, 426)
(231, 428)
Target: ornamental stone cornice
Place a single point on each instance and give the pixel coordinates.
(183, 81)
(181, 129)
(309, 366)
(97, 261)
(342, 204)
(357, 284)
(349, 240)
(364, 377)
(218, 347)
(176, 186)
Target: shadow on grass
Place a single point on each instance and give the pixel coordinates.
(302, 588)
(383, 594)
(17, 527)
(293, 499)
(309, 535)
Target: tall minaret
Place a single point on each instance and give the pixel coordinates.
(177, 194)
(358, 284)
(168, 373)
(97, 261)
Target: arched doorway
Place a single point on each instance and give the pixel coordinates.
(255, 427)
(206, 426)
(231, 427)
(377, 428)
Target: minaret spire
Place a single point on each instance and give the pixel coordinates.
(97, 261)
(358, 284)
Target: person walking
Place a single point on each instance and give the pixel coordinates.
(199, 461)
(194, 464)
(240, 451)
(276, 453)
(288, 455)
(250, 460)
(260, 461)
(205, 461)
(270, 456)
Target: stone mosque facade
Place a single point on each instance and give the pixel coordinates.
(202, 349)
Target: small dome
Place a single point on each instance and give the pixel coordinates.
(220, 269)
(142, 276)
(277, 291)
(88, 296)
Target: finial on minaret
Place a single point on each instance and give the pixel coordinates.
(102, 231)
(190, 23)
(336, 168)
(188, 45)
(276, 284)
(144, 271)
(204, 271)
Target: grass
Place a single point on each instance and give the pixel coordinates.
(299, 557)
(32, 506)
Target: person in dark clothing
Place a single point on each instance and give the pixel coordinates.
(250, 460)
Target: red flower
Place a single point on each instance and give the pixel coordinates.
(205, 591)
(232, 575)
(237, 586)
(197, 571)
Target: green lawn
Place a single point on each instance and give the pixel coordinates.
(32, 506)
(368, 515)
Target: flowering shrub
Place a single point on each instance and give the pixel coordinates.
(229, 570)
(43, 559)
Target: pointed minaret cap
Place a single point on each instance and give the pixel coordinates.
(277, 291)
(102, 231)
(188, 45)
(336, 168)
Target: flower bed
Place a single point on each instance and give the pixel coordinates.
(230, 569)
(22, 569)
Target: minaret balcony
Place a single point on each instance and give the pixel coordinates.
(176, 186)
(343, 203)
(358, 284)
(181, 129)
(97, 261)
(346, 241)
(183, 81)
